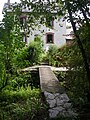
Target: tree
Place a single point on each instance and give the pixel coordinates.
(76, 11)
(71, 11)
(9, 39)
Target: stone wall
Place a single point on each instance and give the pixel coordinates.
(59, 105)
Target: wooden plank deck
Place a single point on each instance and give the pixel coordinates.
(48, 81)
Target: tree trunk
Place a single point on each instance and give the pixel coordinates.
(79, 42)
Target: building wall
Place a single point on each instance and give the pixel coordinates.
(59, 32)
(59, 29)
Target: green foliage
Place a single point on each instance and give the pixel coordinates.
(35, 50)
(85, 36)
(21, 104)
(74, 80)
(62, 56)
(19, 99)
(24, 79)
(51, 55)
(31, 54)
(76, 85)
(10, 39)
(20, 58)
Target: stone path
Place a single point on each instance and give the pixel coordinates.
(48, 80)
(59, 103)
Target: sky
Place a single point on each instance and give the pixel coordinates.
(2, 4)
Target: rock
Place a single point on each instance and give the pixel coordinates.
(53, 113)
(52, 103)
(64, 97)
(60, 109)
(56, 94)
(59, 102)
(49, 95)
(67, 105)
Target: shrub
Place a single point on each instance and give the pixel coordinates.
(74, 80)
(35, 51)
(51, 55)
(60, 56)
(22, 104)
(31, 54)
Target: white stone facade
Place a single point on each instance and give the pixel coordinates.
(58, 31)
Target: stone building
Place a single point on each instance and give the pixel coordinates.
(56, 34)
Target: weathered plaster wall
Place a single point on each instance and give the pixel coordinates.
(58, 30)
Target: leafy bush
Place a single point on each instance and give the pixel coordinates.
(20, 58)
(27, 78)
(61, 56)
(21, 104)
(51, 55)
(35, 51)
(76, 86)
(31, 54)
(74, 80)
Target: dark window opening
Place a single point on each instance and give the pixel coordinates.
(50, 38)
